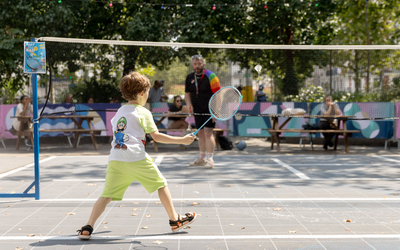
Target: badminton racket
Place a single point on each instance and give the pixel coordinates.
(223, 104)
(32, 62)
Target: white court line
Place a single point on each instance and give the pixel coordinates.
(232, 199)
(245, 179)
(85, 156)
(25, 167)
(241, 156)
(206, 237)
(159, 160)
(338, 164)
(251, 156)
(226, 163)
(387, 159)
(293, 170)
(79, 179)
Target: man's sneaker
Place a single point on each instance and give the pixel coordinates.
(198, 162)
(209, 164)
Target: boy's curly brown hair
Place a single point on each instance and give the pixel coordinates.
(132, 84)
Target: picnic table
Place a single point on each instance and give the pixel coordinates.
(276, 130)
(77, 119)
(217, 131)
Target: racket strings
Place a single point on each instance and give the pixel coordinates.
(225, 103)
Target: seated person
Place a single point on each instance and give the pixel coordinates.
(177, 122)
(24, 108)
(68, 99)
(328, 108)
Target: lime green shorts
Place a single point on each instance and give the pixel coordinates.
(121, 174)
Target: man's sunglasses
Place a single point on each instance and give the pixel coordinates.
(197, 56)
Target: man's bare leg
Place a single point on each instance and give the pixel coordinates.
(210, 144)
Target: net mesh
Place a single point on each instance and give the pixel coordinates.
(363, 80)
(92, 69)
(225, 103)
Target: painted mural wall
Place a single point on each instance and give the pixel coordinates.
(247, 122)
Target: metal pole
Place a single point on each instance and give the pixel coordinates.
(330, 72)
(36, 133)
(368, 58)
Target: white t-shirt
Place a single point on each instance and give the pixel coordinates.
(324, 109)
(130, 125)
(20, 108)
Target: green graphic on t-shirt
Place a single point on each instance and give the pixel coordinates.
(120, 136)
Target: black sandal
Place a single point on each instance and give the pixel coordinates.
(88, 228)
(182, 221)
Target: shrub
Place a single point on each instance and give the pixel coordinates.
(308, 94)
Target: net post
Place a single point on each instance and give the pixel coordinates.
(36, 132)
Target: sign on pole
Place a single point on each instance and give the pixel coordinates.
(34, 58)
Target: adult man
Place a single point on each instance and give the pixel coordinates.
(261, 97)
(199, 87)
(156, 93)
(328, 108)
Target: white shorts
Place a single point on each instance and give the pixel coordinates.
(170, 123)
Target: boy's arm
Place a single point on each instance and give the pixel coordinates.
(163, 138)
(147, 122)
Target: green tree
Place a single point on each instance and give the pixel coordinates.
(201, 23)
(363, 22)
(21, 20)
(11, 56)
(289, 22)
(101, 93)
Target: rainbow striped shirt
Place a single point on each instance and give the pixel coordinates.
(214, 81)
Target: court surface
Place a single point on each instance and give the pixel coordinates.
(246, 202)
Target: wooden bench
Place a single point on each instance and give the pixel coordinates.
(76, 119)
(25, 133)
(217, 131)
(346, 133)
(76, 131)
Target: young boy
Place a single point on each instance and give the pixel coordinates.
(128, 160)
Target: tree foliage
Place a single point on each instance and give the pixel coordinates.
(82, 91)
(284, 22)
(290, 22)
(358, 20)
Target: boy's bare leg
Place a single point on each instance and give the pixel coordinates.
(165, 197)
(97, 210)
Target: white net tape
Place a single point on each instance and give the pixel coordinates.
(218, 46)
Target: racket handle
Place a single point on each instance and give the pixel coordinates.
(195, 133)
(191, 135)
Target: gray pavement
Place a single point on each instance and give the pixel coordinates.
(252, 199)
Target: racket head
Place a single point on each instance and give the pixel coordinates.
(225, 103)
(33, 63)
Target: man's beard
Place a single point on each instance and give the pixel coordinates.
(199, 71)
